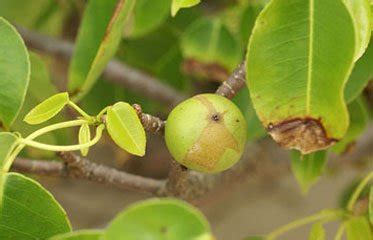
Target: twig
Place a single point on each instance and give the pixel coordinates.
(81, 168)
(150, 123)
(116, 71)
(235, 82)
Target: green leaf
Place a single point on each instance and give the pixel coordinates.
(317, 232)
(147, 16)
(28, 211)
(358, 122)
(98, 39)
(255, 129)
(14, 73)
(8, 142)
(84, 137)
(125, 128)
(371, 205)
(159, 220)
(360, 11)
(178, 4)
(357, 228)
(308, 168)
(360, 76)
(47, 109)
(299, 58)
(80, 235)
(208, 41)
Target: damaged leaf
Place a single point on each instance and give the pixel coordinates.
(299, 59)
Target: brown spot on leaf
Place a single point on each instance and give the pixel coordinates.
(211, 71)
(306, 135)
(214, 140)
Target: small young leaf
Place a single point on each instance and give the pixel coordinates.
(178, 4)
(47, 109)
(317, 232)
(297, 95)
(84, 137)
(358, 122)
(371, 205)
(308, 168)
(14, 73)
(158, 219)
(361, 75)
(360, 12)
(357, 228)
(147, 16)
(125, 128)
(7, 145)
(98, 39)
(80, 235)
(22, 200)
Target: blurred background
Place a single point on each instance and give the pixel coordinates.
(173, 52)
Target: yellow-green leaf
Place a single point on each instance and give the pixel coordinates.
(8, 142)
(14, 73)
(357, 228)
(178, 4)
(371, 205)
(317, 232)
(80, 235)
(125, 128)
(84, 137)
(361, 13)
(47, 109)
(159, 219)
(28, 211)
(299, 59)
(99, 35)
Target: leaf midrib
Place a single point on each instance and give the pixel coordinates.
(310, 57)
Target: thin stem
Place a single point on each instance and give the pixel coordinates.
(357, 192)
(102, 112)
(324, 215)
(80, 111)
(340, 232)
(58, 148)
(37, 133)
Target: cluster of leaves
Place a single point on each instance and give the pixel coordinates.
(302, 62)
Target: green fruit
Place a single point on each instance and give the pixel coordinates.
(206, 133)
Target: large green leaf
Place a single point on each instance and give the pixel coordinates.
(8, 142)
(147, 16)
(14, 73)
(208, 41)
(47, 109)
(299, 58)
(308, 168)
(28, 211)
(125, 128)
(99, 36)
(357, 228)
(178, 4)
(360, 76)
(361, 13)
(158, 220)
(358, 122)
(80, 235)
(317, 232)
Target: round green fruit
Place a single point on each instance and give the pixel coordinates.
(206, 133)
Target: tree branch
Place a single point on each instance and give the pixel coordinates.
(115, 72)
(80, 168)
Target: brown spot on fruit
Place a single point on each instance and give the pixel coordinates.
(306, 135)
